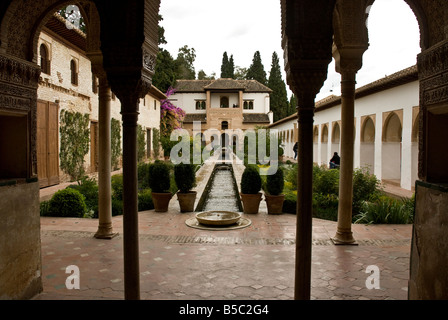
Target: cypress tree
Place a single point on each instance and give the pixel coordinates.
(231, 68)
(279, 103)
(256, 70)
(224, 65)
(292, 105)
(227, 66)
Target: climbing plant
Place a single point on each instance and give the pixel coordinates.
(140, 143)
(115, 136)
(156, 143)
(75, 137)
(171, 117)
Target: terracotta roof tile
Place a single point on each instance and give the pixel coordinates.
(183, 86)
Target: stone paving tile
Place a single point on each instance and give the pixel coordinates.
(182, 263)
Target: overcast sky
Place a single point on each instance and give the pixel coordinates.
(242, 27)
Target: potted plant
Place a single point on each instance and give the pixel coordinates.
(159, 182)
(273, 195)
(185, 177)
(250, 189)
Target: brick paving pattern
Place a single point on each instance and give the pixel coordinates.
(178, 262)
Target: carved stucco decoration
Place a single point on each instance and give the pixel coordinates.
(18, 95)
(130, 61)
(433, 77)
(307, 41)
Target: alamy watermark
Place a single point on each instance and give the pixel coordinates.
(73, 280)
(257, 146)
(373, 280)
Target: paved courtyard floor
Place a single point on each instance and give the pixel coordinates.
(178, 262)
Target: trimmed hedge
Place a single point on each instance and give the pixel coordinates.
(159, 177)
(250, 180)
(67, 203)
(275, 183)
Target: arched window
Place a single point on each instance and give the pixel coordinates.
(200, 105)
(224, 102)
(44, 59)
(74, 72)
(248, 105)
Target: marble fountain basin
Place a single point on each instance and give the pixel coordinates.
(218, 218)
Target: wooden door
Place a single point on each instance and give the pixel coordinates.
(47, 143)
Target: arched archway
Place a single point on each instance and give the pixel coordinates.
(391, 148)
(315, 143)
(414, 149)
(324, 145)
(367, 149)
(335, 138)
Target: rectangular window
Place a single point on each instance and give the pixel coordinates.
(155, 104)
(248, 105)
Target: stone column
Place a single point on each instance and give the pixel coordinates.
(105, 230)
(344, 233)
(130, 201)
(302, 287)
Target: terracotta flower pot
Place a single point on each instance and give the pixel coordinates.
(274, 203)
(186, 200)
(251, 202)
(161, 201)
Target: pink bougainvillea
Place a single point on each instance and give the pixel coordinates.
(171, 117)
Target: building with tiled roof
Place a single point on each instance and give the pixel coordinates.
(223, 103)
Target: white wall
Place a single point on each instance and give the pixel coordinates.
(401, 158)
(187, 101)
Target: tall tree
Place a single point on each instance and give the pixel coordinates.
(227, 66)
(292, 105)
(185, 63)
(240, 73)
(165, 75)
(278, 99)
(256, 70)
(231, 68)
(203, 76)
(165, 72)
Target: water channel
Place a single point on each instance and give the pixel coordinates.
(221, 192)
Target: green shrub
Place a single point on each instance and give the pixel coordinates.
(325, 206)
(275, 183)
(327, 182)
(366, 187)
(159, 179)
(145, 200)
(88, 187)
(290, 203)
(142, 175)
(185, 176)
(117, 207)
(291, 176)
(43, 208)
(386, 210)
(117, 186)
(250, 180)
(67, 203)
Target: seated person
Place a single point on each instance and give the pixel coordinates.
(335, 161)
